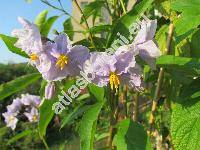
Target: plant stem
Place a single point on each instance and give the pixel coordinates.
(113, 118)
(62, 10)
(86, 23)
(136, 107)
(123, 7)
(160, 80)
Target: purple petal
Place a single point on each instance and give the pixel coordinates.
(147, 31)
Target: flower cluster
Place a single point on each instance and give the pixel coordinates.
(58, 59)
(26, 106)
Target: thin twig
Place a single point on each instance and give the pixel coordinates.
(136, 107)
(160, 80)
(123, 7)
(62, 10)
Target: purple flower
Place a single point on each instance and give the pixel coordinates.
(112, 69)
(63, 59)
(30, 100)
(29, 39)
(50, 90)
(33, 115)
(10, 119)
(144, 45)
(15, 107)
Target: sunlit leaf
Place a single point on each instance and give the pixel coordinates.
(18, 84)
(47, 26)
(10, 41)
(41, 18)
(131, 136)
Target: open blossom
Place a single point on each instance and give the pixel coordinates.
(29, 38)
(33, 115)
(30, 100)
(10, 119)
(113, 69)
(64, 59)
(143, 43)
(15, 107)
(54, 60)
(28, 103)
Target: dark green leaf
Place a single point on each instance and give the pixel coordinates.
(97, 92)
(123, 24)
(17, 85)
(191, 91)
(131, 136)
(76, 112)
(93, 8)
(19, 136)
(46, 114)
(10, 41)
(47, 26)
(88, 126)
(68, 28)
(190, 66)
(195, 49)
(100, 29)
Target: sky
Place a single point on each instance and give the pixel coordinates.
(11, 9)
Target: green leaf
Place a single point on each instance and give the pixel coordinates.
(10, 41)
(190, 9)
(46, 114)
(123, 24)
(88, 126)
(190, 66)
(100, 29)
(97, 92)
(195, 49)
(191, 91)
(93, 8)
(68, 28)
(185, 125)
(76, 112)
(47, 26)
(17, 85)
(41, 18)
(131, 136)
(19, 136)
(161, 37)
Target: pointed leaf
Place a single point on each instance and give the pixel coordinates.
(47, 26)
(17, 85)
(88, 126)
(10, 41)
(131, 136)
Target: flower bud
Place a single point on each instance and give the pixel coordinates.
(50, 90)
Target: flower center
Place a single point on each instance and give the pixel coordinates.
(35, 118)
(114, 81)
(11, 118)
(33, 57)
(62, 61)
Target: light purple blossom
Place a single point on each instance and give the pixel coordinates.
(30, 100)
(29, 38)
(64, 59)
(112, 68)
(10, 119)
(144, 45)
(27, 102)
(50, 90)
(33, 115)
(15, 107)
